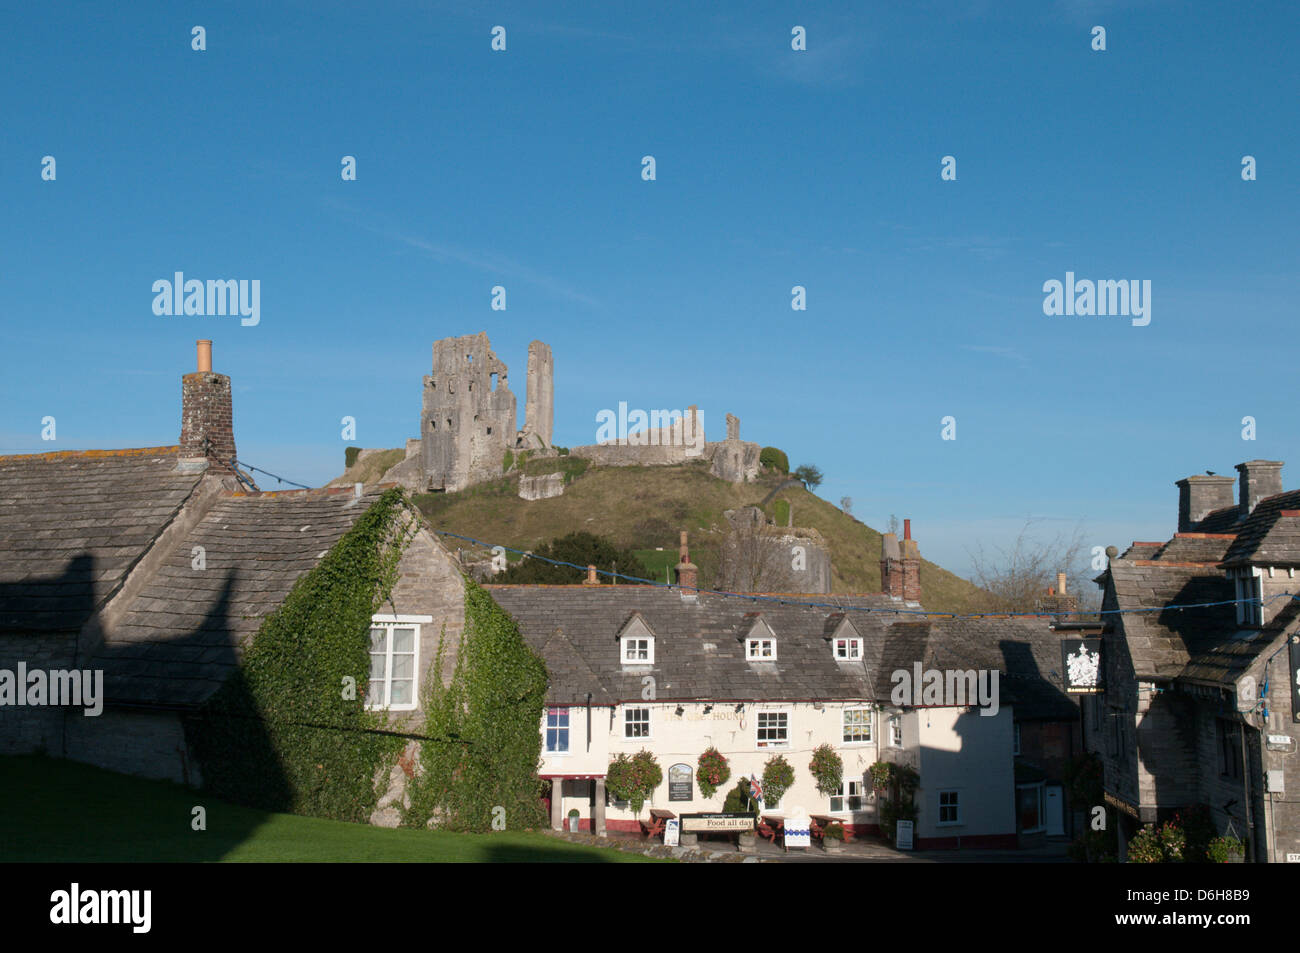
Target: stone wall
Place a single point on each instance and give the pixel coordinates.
(27, 729)
(143, 743)
(542, 487)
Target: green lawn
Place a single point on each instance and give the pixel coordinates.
(55, 810)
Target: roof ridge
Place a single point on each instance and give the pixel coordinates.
(88, 454)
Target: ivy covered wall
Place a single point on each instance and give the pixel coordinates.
(482, 747)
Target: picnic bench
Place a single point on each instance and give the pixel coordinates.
(771, 826)
(821, 821)
(658, 818)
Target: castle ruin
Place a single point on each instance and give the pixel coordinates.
(468, 416)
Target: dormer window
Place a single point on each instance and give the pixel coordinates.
(636, 642)
(846, 643)
(760, 642)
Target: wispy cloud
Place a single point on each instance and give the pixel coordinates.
(499, 266)
(1007, 353)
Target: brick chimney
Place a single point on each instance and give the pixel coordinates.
(1259, 479)
(911, 565)
(206, 429)
(687, 571)
(1200, 495)
(591, 579)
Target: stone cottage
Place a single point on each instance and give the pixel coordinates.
(1198, 707)
(151, 568)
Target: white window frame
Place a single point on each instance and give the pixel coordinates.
(567, 728)
(758, 727)
(628, 722)
(956, 805)
(853, 646)
(869, 724)
(844, 797)
(754, 649)
(629, 640)
(391, 622)
(895, 731)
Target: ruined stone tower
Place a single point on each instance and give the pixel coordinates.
(539, 398)
(468, 419)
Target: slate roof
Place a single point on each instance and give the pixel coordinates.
(1026, 652)
(1195, 548)
(1268, 536)
(699, 653)
(182, 634)
(72, 524)
(698, 649)
(1161, 642)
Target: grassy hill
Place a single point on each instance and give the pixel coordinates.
(644, 508)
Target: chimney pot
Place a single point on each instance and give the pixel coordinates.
(1060, 583)
(907, 529)
(204, 355)
(591, 579)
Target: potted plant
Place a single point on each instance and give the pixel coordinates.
(573, 820)
(778, 777)
(827, 769)
(1226, 850)
(833, 837)
(712, 772)
(634, 779)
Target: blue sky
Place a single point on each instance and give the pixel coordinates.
(775, 168)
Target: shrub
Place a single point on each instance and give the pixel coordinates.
(634, 779)
(827, 769)
(774, 458)
(834, 831)
(712, 772)
(778, 777)
(1145, 848)
(738, 800)
(508, 460)
(350, 456)
(580, 549)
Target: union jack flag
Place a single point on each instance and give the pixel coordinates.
(755, 788)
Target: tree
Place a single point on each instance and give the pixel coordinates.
(846, 504)
(581, 549)
(1015, 579)
(809, 475)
